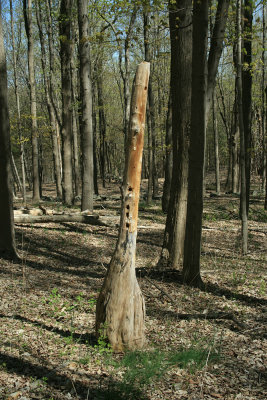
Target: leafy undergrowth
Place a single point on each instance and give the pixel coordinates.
(201, 344)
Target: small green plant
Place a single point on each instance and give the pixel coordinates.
(238, 279)
(102, 346)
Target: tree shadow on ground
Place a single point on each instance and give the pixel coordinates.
(228, 320)
(87, 338)
(171, 275)
(97, 387)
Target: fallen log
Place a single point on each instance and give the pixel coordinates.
(86, 219)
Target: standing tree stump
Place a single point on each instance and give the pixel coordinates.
(120, 309)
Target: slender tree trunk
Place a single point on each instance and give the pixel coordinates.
(86, 117)
(168, 159)
(94, 140)
(152, 178)
(102, 120)
(265, 203)
(247, 90)
(27, 9)
(120, 309)
(50, 109)
(181, 63)
(7, 235)
(66, 129)
(243, 193)
(234, 149)
(216, 148)
(18, 106)
(192, 250)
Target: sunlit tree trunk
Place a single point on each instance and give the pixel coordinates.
(27, 10)
(120, 309)
(86, 108)
(66, 128)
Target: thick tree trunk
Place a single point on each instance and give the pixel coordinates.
(120, 307)
(66, 129)
(86, 117)
(7, 235)
(192, 249)
(243, 192)
(27, 9)
(181, 63)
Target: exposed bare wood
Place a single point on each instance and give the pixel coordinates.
(120, 310)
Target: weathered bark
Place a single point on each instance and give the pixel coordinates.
(7, 235)
(168, 159)
(120, 307)
(27, 10)
(86, 99)
(66, 129)
(181, 63)
(192, 247)
(243, 192)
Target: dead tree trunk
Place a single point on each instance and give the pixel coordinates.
(120, 307)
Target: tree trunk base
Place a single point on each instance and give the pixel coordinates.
(120, 307)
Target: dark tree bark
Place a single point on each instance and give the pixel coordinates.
(66, 128)
(27, 10)
(86, 117)
(152, 164)
(120, 309)
(247, 90)
(7, 235)
(192, 249)
(243, 192)
(181, 62)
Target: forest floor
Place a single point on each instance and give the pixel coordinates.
(201, 344)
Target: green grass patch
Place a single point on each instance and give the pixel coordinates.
(140, 368)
